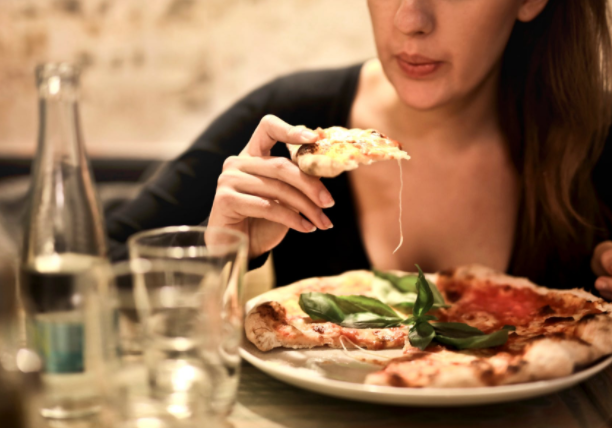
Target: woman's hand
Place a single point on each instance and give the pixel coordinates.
(601, 263)
(263, 196)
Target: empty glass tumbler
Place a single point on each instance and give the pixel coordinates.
(223, 252)
(167, 324)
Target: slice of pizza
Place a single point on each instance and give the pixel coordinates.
(279, 322)
(556, 331)
(340, 149)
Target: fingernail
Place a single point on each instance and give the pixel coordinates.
(308, 135)
(308, 226)
(326, 199)
(326, 221)
(602, 284)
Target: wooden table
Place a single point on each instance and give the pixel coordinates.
(264, 402)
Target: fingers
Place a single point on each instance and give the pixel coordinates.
(244, 206)
(284, 170)
(601, 263)
(604, 286)
(275, 190)
(272, 129)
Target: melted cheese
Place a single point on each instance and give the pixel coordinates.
(399, 162)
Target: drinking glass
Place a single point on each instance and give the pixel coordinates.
(223, 251)
(167, 326)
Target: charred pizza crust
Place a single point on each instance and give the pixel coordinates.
(557, 331)
(340, 149)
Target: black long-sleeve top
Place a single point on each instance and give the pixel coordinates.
(183, 193)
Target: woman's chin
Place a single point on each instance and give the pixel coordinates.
(424, 96)
(424, 102)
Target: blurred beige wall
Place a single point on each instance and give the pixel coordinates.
(156, 72)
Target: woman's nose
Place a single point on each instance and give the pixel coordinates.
(415, 17)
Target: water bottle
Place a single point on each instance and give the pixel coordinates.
(64, 240)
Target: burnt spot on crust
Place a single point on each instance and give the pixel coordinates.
(589, 317)
(309, 149)
(453, 295)
(603, 328)
(447, 272)
(568, 338)
(559, 336)
(556, 320)
(319, 328)
(514, 368)
(484, 371)
(536, 338)
(397, 380)
(546, 310)
(273, 310)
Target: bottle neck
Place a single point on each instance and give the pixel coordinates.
(60, 131)
(64, 215)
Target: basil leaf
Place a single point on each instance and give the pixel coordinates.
(425, 298)
(368, 304)
(408, 307)
(405, 307)
(404, 284)
(421, 334)
(370, 320)
(456, 329)
(414, 320)
(401, 292)
(437, 296)
(462, 340)
(348, 311)
(321, 307)
(384, 291)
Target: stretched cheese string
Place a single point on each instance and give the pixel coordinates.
(348, 354)
(399, 162)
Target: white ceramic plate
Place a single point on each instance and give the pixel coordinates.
(339, 373)
(333, 372)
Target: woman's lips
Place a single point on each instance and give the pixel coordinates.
(416, 66)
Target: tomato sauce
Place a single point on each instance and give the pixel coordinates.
(508, 305)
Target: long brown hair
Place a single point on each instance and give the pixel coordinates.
(556, 108)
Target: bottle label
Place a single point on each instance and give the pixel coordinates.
(60, 344)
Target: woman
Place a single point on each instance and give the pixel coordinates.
(504, 107)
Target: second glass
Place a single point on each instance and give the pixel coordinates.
(219, 250)
(167, 331)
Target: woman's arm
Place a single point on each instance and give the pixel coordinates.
(183, 192)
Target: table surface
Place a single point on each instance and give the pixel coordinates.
(264, 402)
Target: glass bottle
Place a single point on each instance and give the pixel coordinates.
(63, 242)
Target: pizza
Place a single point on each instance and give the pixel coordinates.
(556, 332)
(340, 149)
